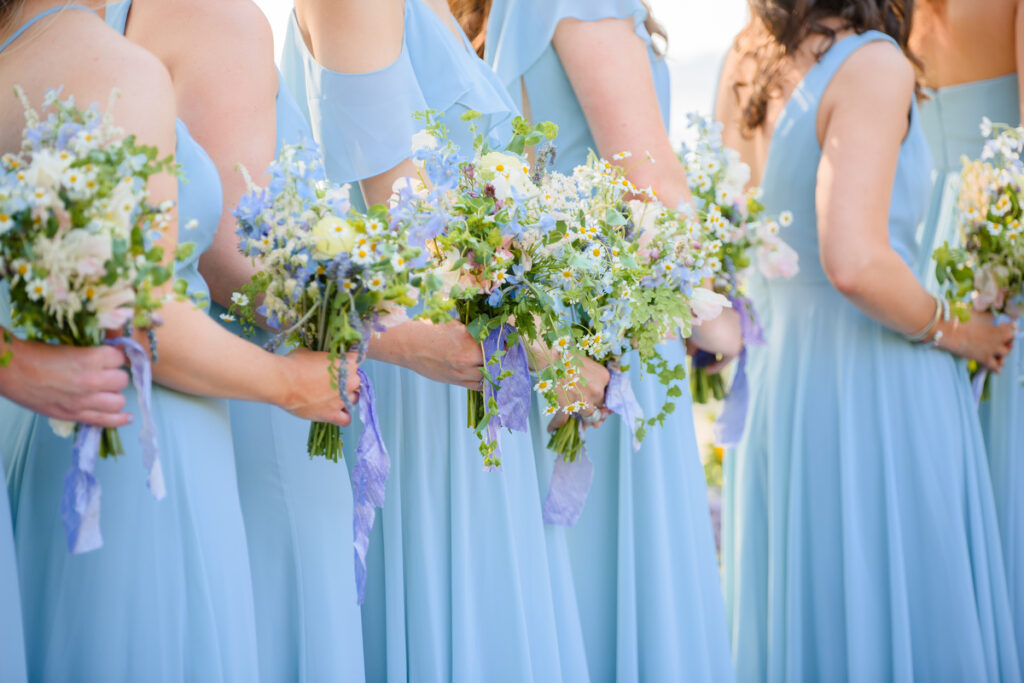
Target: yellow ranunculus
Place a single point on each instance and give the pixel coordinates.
(333, 235)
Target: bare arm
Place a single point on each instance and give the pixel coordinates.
(197, 356)
(228, 75)
(862, 123)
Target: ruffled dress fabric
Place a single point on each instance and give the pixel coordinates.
(298, 521)
(458, 582)
(168, 596)
(642, 554)
(951, 119)
(865, 543)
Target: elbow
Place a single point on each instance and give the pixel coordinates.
(847, 273)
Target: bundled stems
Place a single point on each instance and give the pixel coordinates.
(567, 441)
(110, 443)
(704, 386)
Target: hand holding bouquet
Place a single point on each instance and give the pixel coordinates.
(329, 278)
(77, 249)
(479, 220)
(627, 279)
(986, 271)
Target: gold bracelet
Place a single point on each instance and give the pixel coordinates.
(927, 331)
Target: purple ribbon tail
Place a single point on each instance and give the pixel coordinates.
(514, 392)
(80, 505)
(142, 378)
(570, 484)
(729, 426)
(620, 399)
(978, 384)
(369, 479)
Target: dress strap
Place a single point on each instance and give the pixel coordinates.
(116, 15)
(821, 74)
(28, 24)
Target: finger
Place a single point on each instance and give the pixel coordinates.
(104, 402)
(107, 357)
(353, 397)
(113, 380)
(112, 420)
(556, 422)
(345, 420)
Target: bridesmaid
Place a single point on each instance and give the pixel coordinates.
(642, 553)
(866, 542)
(971, 54)
(297, 511)
(459, 586)
(168, 597)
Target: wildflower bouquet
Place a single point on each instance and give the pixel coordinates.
(738, 233)
(329, 278)
(627, 279)
(986, 272)
(496, 244)
(627, 275)
(76, 249)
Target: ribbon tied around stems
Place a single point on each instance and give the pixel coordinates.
(513, 393)
(80, 504)
(369, 479)
(729, 426)
(570, 481)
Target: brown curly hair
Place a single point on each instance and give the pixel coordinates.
(472, 16)
(780, 27)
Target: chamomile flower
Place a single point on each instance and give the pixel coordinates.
(786, 219)
(239, 299)
(375, 227)
(36, 289)
(550, 410)
(619, 156)
(543, 386)
(227, 317)
(376, 282)
(1002, 205)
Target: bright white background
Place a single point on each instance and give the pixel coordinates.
(700, 32)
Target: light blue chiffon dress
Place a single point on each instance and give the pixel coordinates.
(643, 552)
(866, 545)
(458, 581)
(168, 596)
(951, 119)
(298, 520)
(297, 512)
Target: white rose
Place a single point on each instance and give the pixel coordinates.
(506, 173)
(46, 169)
(423, 140)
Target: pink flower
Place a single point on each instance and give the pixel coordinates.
(777, 260)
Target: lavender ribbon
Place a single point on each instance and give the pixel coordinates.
(512, 393)
(570, 484)
(570, 481)
(369, 479)
(729, 426)
(80, 504)
(620, 399)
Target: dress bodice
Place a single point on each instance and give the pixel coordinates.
(791, 170)
(200, 197)
(951, 117)
(364, 121)
(518, 46)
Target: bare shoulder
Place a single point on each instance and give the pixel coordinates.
(878, 69)
(79, 53)
(232, 24)
(353, 36)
